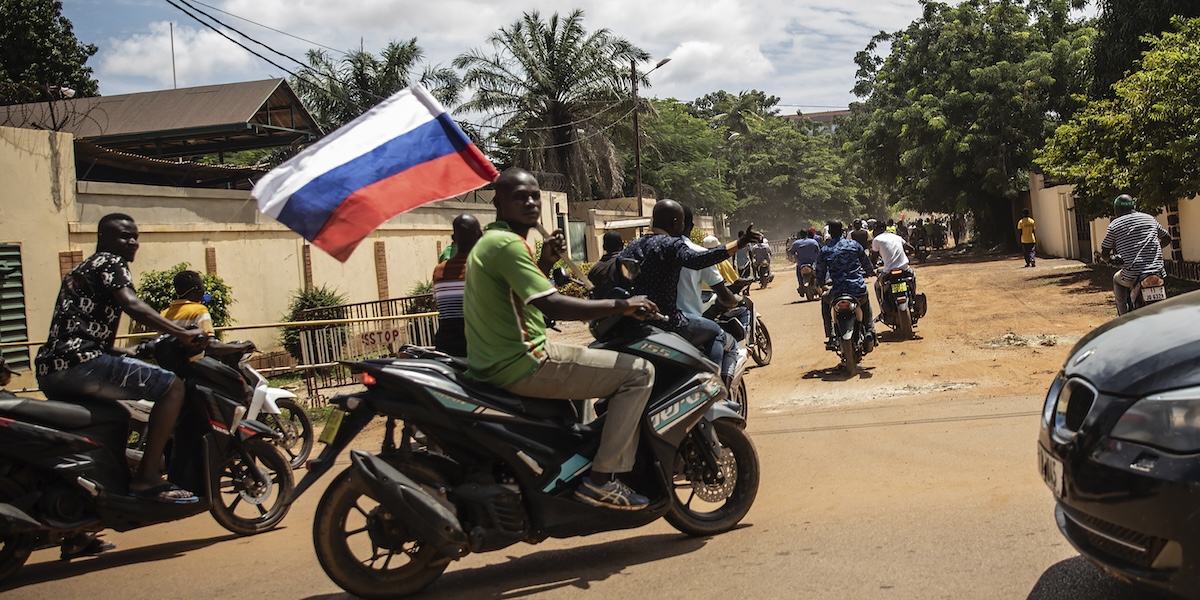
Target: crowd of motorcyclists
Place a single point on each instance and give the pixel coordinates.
(497, 297)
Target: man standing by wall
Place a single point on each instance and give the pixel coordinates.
(1028, 240)
(448, 283)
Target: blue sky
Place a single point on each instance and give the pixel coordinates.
(799, 50)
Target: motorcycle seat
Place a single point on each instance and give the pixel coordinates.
(539, 408)
(64, 415)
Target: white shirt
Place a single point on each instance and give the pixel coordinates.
(688, 292)
(891, 248)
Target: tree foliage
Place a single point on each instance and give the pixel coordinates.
(683, 158)
(735, 114)
(555, 91)
(40, 52)
(966, 95)
(1146, 139)
(1121, 29)
(337, 91)
(304, 299)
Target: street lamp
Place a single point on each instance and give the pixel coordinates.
(637, 133)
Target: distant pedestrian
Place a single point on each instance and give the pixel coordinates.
(449, 283)
(606, 273)
(1028, 240)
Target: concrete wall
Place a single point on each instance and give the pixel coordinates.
(1189, 221)
(43, 209)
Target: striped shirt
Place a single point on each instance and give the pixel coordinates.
(449, 280)
(1135, 237)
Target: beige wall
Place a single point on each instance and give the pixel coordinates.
(46, 212)
(1189, 221)
(37, 198)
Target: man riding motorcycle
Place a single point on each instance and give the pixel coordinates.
(506, 300)
(1139, 238)
(892, 249)
(805, 250)
(661, 255)
(690, 300)
(844, 262)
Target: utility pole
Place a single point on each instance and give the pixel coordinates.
(637, 140)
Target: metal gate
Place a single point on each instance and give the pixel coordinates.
(12, 307)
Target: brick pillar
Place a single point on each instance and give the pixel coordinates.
(210, 260)
(67, 261)
(381, 278)
(308, 272)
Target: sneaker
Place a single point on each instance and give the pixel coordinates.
(831, 344)
(613, 494)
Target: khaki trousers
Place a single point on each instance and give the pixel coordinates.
(578, 373)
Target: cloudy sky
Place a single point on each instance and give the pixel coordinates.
(799, 50)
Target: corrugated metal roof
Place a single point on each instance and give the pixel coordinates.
(180, 122)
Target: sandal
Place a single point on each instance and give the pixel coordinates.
(84, 545)
(167, 493)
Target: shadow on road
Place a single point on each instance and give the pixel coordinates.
(1078, 579)
(56, 570)
(577, 567)
(839, 374)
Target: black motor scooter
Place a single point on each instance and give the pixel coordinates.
(506, 466)
(64, 471)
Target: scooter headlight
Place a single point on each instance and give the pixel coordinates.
(1170, 420)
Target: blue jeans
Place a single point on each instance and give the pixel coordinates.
(110, 377)
(706, 335)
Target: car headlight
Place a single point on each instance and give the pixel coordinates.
(1052, 399)
(1170, 420)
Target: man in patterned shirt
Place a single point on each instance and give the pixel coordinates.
(844, 262)
(78, 359)
(1139, 238)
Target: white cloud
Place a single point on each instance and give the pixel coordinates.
(201, 57)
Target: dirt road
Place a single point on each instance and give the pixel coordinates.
(915, 480)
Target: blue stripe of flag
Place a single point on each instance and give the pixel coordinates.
(310, 207)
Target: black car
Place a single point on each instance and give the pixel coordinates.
(1120, 446)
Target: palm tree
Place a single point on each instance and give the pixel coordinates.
(556, 91)
(337, 91)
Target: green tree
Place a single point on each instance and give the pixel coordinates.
(336, 91)
(965, 96)
(305, 299)
(735, 114)
(41, 53)
(1144, 141)
(1122, 27)
(682, 158)
(787, 174)
(556, 91)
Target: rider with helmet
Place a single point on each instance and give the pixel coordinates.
(1139, 239)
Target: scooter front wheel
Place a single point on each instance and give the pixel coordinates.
(761, 350)
(364, 549)
(707, 503)
(15, 548)
(251, 488)
(295, 429)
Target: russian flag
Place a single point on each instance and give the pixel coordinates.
(404, 153)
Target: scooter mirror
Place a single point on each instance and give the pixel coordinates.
(630, 268)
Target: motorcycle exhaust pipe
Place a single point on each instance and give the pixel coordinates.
(429, 519)
(14, 520)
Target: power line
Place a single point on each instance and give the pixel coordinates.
(307, 41)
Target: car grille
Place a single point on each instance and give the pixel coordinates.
(1114, 541)
(1075, 400)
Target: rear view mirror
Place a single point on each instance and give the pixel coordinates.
(560, 277)
(630, 268)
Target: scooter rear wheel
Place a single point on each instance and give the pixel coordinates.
(702, 507)
(244, 504)
(14, 548)
(366, 551)
(849, 359)
(904, 324)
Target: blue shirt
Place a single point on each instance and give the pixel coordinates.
(805, 250)
(845, 262)
(660, 258)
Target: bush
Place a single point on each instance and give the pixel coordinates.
(302, 300)
(157, 288)
(421, 305)
(571, 288)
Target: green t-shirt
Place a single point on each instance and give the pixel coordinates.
(447, 253)
(506, 334)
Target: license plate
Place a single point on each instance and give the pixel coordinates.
(1052, 472)
(1154, 294)
(899, 287)
(331, 426)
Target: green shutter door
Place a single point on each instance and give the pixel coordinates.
(12, 307)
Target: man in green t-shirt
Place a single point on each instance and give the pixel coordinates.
(507, 293)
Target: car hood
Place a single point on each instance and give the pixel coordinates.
(1150, 350)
